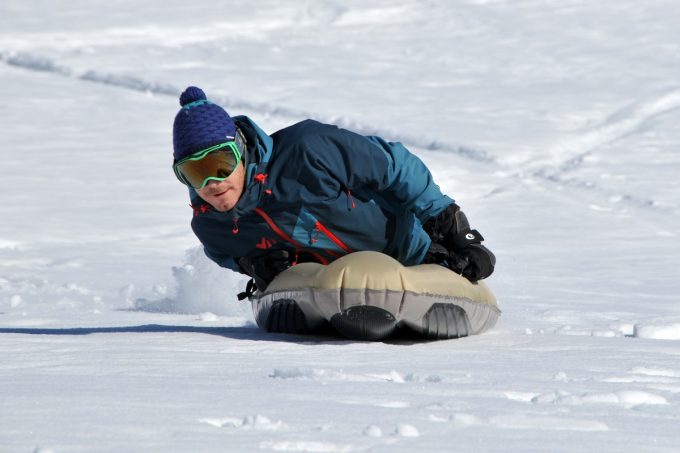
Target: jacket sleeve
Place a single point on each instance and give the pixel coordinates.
(386, 167)
(223, 260)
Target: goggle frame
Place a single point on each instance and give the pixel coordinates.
(237, 146)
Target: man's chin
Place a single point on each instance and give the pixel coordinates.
(223, 202)
(223, 207)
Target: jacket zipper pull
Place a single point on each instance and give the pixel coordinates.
(314, 235)
(235, 229)
(351, 199)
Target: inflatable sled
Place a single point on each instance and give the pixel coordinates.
(369, 296)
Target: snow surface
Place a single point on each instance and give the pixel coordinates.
(554, 125)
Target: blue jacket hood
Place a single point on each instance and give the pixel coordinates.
(264, 143)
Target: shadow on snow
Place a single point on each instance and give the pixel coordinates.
(236, 333)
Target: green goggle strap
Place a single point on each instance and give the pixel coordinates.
(200, 155)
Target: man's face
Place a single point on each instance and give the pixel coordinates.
(223, 195)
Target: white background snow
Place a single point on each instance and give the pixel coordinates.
(553, 123)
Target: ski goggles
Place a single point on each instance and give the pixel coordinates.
(216, 163)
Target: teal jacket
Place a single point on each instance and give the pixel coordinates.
(322, 192)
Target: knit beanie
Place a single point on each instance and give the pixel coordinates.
(199, 124)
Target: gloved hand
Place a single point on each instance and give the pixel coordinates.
(450, 232)
(479, 262)
(263, 268)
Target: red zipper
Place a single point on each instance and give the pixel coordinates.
(287, 238)
(336, 240)
(351, 199)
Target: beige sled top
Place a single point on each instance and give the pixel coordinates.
(428, 298)
(376, 271)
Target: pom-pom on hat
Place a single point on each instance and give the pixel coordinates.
(199, 124)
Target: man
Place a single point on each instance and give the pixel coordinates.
(312, 192)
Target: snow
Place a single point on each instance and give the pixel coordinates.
(554, 125)
(659, 332)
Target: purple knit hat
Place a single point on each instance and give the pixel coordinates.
(199, 124)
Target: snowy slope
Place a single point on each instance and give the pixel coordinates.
(554, 125)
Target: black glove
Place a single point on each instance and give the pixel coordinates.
(264, 268)
(479, 262)
(457, 246)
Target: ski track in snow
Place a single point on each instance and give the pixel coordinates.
(37, 63)
(570, 153)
